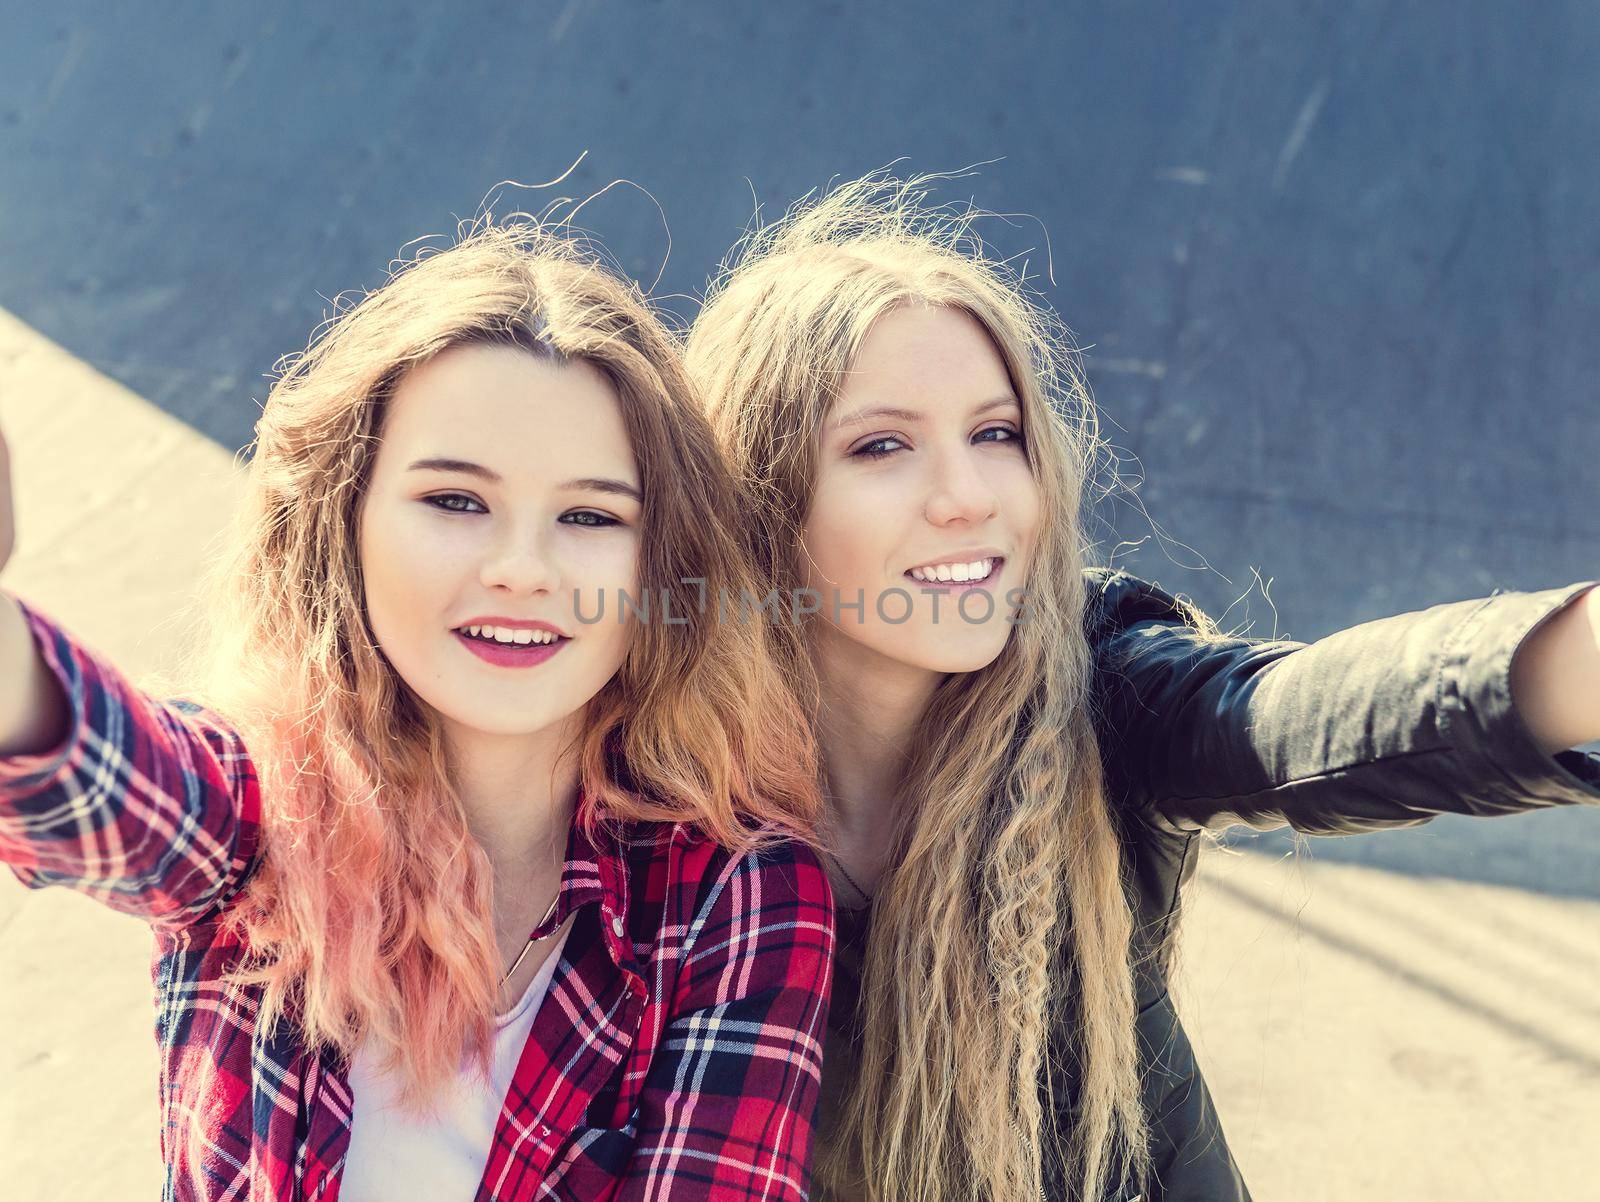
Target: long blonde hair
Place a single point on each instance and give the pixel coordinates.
(370, 916)
(1005, 911)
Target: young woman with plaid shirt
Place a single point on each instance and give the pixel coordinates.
(458, 890)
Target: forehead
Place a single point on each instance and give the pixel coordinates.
(926, 354)
(509, 411)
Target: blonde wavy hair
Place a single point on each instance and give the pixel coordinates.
(370, 916)
(1005, 910)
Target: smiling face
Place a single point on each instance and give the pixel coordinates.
(923, 484)
(503, 485)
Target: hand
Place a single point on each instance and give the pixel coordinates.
(8, 526)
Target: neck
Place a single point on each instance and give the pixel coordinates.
(519, 794)
(871, 706)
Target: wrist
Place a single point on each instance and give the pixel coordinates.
(33, 708)
(1555, 676)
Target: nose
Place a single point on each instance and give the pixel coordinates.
(519, 562)
(958, 490)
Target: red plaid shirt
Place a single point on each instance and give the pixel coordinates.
(677, 1054)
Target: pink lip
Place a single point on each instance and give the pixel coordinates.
(955, 586)
(502, 655)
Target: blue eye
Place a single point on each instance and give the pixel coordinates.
(865, 451)
(1010, 434)
(589, 518)
(455, 502)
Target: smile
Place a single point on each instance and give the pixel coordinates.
(520, 646)
(966, 574)
(508, 635)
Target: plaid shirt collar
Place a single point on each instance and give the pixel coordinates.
(596, 872)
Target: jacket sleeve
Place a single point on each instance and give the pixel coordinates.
(727, 1109)
(150, 807)
(1385, 724)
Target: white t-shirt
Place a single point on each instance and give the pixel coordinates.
(395, 1157)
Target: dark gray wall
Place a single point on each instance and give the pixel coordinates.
(1335, 263)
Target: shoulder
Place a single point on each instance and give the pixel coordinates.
(777, 872)
(680, 860)
(738, 922)
(1118, 600)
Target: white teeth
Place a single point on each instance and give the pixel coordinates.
(978, 569)
(509, 637)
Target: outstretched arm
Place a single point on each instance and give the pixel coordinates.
(150, 807)
(1384, 724)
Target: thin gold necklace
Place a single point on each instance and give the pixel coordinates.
(522, 955)
(845, 872)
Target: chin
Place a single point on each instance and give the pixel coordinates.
(475, 715)
(502, 724)
(948, 659)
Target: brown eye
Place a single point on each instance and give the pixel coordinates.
(587, 517)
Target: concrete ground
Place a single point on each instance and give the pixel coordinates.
(1368, 1033)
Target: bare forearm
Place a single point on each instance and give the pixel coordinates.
(33, 711)
(1555, 679)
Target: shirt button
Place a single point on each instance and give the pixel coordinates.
(616, 925)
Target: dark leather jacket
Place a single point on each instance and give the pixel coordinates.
(1384, 725)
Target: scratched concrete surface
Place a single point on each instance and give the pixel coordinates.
(1334, 266)
(1335, 262)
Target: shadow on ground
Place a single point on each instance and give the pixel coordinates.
(1555, 852)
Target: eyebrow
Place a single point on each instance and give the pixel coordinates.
(909, 415)
(463, 466)
(603, 484)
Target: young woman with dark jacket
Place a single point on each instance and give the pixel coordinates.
(1022, 752)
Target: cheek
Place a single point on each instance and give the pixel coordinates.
(409, 567)
(1022, 505)
(610, 560)
(596, 571)
(846, 531)
(593, 567)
